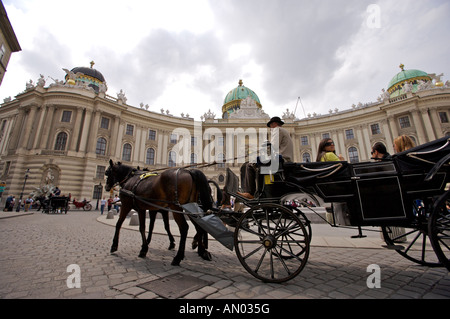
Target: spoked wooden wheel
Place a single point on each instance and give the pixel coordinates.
(439, 229)
(412, 243)
(271, 243)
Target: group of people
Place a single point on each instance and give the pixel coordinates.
(326, 153)
(11, 201)
(109, 202)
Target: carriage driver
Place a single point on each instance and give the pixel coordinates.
(279, 136)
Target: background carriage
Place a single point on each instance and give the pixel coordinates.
(55, 205)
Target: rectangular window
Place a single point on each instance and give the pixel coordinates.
(129, 130)
(193, 141)
(375, 128)
(66, 116)
(173, 138)
(304, 140)
(104, 123)
(152, 135)
(349, 134)
(404, 122)
(325, 135)
(100, 174)
(443, 117)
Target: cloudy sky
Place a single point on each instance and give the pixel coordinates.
(186, 55)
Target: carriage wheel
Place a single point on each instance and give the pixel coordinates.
(305, 222)
(439, 229)
(87, 206)
(413, 244)
(264, 236)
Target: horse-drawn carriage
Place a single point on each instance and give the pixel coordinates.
(272, 238)
(55, 205)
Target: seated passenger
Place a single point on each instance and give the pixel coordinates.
(379, 152)
(327, 152)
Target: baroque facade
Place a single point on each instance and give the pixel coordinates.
(66, 133)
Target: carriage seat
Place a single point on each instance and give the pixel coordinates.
(306, 174)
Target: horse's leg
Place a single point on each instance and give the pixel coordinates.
(202, 240)
(183, 227)
(144, 248)
(165, 216)
(123, 214)
(151, 226)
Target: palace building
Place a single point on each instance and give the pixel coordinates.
(66, 132)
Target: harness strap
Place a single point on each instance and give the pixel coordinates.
(149, 201)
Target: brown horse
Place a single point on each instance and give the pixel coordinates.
(141, 191)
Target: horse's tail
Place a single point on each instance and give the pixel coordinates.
(203, 188)
(219, 193)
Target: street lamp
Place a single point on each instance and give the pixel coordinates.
(23, 188)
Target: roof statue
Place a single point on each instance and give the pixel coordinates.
(248, 110)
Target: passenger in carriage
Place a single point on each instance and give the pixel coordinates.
(403, 143)
(279, 136)
(379, 152)
(327, 152)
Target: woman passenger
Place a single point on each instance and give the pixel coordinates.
(327, 152)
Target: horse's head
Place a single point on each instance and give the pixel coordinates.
(116, 173)
(110, 177)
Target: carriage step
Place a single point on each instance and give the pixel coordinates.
(394, 247)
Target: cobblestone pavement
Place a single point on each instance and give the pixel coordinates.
(37, 249)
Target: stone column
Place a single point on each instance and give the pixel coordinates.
(112, 143)
(119, 142)
(419, 127)
(28, 125)
(388, 136)
(428, 127)
(392, 123)
(76, 129)
(342, 148)
(361, 143)
(85, 131)
(314, 147)
(93, 131)
(51, 110)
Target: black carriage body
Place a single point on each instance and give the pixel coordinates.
(378, 193)
(56, 204)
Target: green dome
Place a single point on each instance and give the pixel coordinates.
(233, 99)
(411, 76)
(240, 93)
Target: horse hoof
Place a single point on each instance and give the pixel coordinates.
(194, 244)
(171, 246)
(206, 256)
(142, 255)
(175, 262)
(113, 250)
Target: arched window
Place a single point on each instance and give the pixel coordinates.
(126, 152)
(172, 159)
(353, 155)
(306, 158)
(61, 140)
(150, 158)
(101, 146)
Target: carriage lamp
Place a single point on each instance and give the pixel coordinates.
(23, 188)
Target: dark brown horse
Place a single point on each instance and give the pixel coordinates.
(141, 191)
